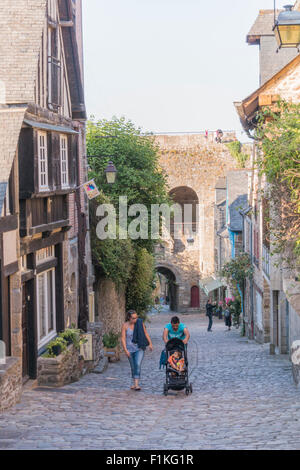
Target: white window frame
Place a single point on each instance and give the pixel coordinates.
(53, 333)
(64, 160)
(45, 254)
(43, 161)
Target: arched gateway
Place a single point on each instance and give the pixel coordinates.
(193, 163)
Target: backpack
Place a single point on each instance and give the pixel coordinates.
(163, 359)
(227, 313)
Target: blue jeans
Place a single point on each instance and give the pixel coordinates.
(135, 361)
(210, 322)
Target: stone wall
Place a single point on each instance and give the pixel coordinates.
(194, 162)
(10, 383)
(59, 371)
(96, 330)
(110, 306)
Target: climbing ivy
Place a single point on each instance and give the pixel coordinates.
(237, 270)
(235, 149)
(278, 133)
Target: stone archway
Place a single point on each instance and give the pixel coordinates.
(184, 196)
(173, 285)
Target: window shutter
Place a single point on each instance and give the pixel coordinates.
(72, 160)
(27, 153)
(55, 160)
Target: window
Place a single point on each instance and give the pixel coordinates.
(46, 307)
(24, 263)
(43, 161)
(54, 71)
(52, 10)
(44, 254)
(64, 160)
(256, 246)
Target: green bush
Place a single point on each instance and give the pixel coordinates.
(110, 340)
(235, 149)
(56, 347)
(140, 289)
(74, 336)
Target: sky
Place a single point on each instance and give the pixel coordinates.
(170, 65)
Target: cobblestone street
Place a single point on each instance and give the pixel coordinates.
(243, 399)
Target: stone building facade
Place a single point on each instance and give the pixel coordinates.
(272, 303)
(193, 164)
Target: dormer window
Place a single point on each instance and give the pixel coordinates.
(43, 161)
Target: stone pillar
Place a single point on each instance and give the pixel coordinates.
(16, 315)
(266, 312)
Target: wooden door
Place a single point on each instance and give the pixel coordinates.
(25, 315)
(195, 297)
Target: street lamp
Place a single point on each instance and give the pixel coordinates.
(111, 173)
(287, 27)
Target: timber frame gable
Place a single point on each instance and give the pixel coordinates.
(59, 82)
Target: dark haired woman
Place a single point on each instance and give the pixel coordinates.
(135, 340)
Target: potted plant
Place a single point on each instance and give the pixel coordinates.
(73, 336)
(111, 346)
(56, 347)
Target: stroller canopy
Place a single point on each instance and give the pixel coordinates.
(175, 343)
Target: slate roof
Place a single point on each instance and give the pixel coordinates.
(21, 26)
(263, 25)
(237, 198)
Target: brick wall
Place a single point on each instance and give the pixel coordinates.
(21, 26)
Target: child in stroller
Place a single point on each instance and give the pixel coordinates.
(177, 376)
(176, 361)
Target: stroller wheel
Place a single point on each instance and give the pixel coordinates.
(187, 391)
(165, 390)
(191, 388)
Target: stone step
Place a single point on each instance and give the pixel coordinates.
(101, 367)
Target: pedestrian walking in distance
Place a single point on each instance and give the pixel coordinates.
(135, 340)
(209, 314)
(227, 317)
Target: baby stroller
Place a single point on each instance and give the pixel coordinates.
(177, 380)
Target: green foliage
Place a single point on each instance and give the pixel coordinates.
(56, 347)
(235, 149)
(279, 134)
(74, 336)
(135, 156)
(110, 340)
(237, 270)
(142, 283)
(236, 309)
(128, 263)
(113, 259)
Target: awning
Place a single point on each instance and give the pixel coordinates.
(210, 284)
(50, 127)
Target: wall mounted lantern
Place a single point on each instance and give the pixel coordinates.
(287, 27)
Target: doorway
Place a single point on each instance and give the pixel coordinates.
(29, 356)
(195, 297)
(25, 330)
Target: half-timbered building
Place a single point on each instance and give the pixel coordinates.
(44, 224)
